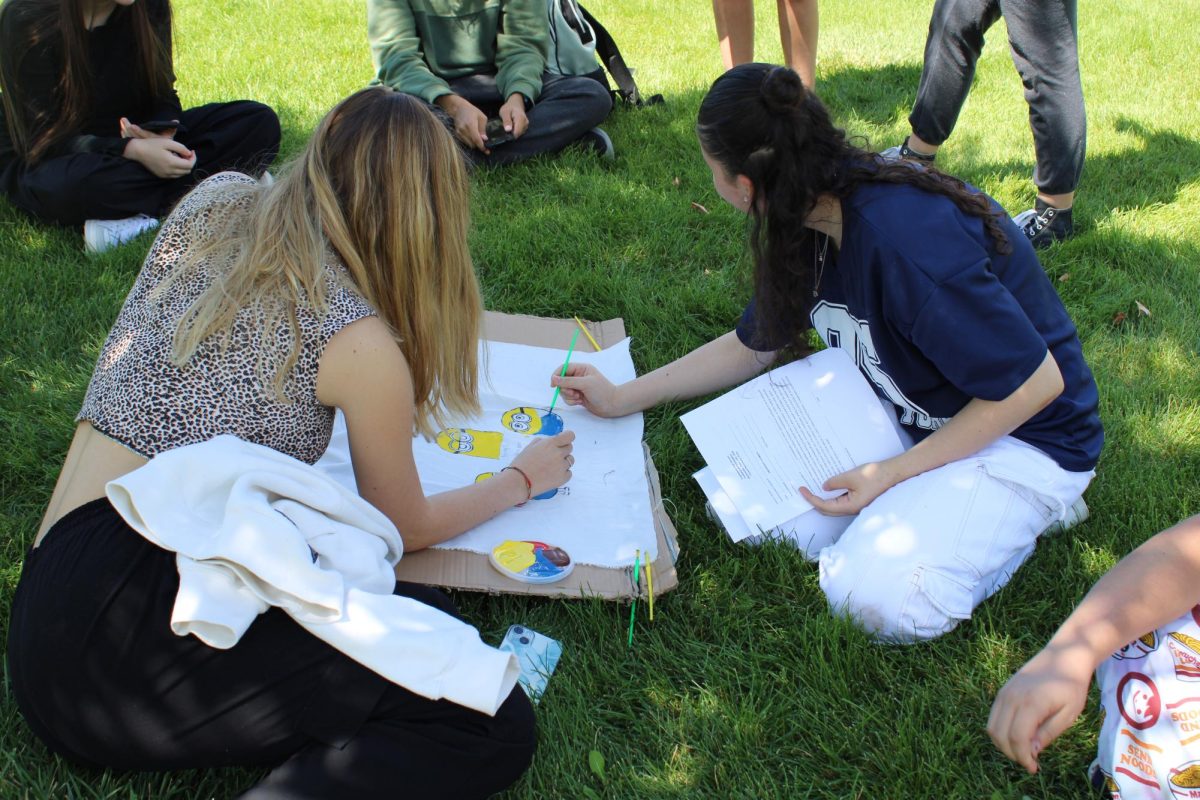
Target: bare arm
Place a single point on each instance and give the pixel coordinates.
(1150, 587)
(717, 365)
(979, 423)
(363, 373)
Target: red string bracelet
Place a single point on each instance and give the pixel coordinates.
(528, 483)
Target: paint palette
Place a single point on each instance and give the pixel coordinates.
(530, 561)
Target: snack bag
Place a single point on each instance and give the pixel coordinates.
(1150, 702)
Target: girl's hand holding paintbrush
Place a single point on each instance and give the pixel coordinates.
(584, 385)
(546, 462)
(721, 363)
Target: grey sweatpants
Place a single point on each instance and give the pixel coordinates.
(1043, 37)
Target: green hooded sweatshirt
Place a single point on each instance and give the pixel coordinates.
(417, 45)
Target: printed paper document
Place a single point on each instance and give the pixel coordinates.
(797, 425)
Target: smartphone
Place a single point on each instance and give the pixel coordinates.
(496, 133)
(159, 125)
(537, 656)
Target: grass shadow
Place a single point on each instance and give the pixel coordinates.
(879, 96)
(1151, 171)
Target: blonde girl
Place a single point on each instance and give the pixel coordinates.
(259, 310)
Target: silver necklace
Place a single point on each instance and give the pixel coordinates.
(819, 258)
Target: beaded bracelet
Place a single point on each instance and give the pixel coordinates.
(528, 483)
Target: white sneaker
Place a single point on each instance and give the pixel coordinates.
(902, 152)
(1077, 513)
(103, 234)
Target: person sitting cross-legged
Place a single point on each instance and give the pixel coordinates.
(475, 60)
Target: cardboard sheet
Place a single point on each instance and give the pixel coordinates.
(464, 569)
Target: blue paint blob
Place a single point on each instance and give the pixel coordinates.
(545, 495)
(552, 424)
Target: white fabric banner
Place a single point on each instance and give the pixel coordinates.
(601, 517)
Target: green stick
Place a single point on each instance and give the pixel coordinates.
(570, 350)
(637, 556)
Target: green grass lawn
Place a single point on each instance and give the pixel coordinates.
(743, 687)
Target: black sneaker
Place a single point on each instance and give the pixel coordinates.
(598, 140)
(903, 152)
(1045, 225)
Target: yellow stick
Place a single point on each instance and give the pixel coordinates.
(588, 334)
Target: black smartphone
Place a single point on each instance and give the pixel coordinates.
(496, 135)
(159, 125)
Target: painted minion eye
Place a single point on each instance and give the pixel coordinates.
(522, 420)
(455, 440)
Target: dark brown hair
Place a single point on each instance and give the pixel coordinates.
(30, 25)
(759, 120)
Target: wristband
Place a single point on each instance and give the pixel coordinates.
(528, 483)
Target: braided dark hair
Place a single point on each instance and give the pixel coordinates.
(760, 121)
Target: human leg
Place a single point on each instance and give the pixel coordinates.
(735, 31)
(102, 680)
(799, 24)
(1044, 41)
(413, 747)
(923, 555)
(242, 135)
(568, 107)
(1043, 38)
(952, 48)
(480, 91)
(70, 189)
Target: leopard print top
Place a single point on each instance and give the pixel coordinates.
(138, 397)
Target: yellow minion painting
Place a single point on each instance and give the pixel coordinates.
(532, 421)
(467, 442)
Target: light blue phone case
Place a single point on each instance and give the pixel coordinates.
(537, 656)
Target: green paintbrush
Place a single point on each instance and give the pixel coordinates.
(570, 350)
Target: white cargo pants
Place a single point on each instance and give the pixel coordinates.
(916, 561)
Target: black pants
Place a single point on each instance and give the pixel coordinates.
(568, 107)
(1043, 37)
(70, 189)
(102, 680)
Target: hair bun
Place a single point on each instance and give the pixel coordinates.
(782, 90)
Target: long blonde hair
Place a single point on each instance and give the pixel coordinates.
(382, 187)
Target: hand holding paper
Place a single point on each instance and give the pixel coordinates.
(862, 484)
(814, 423)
